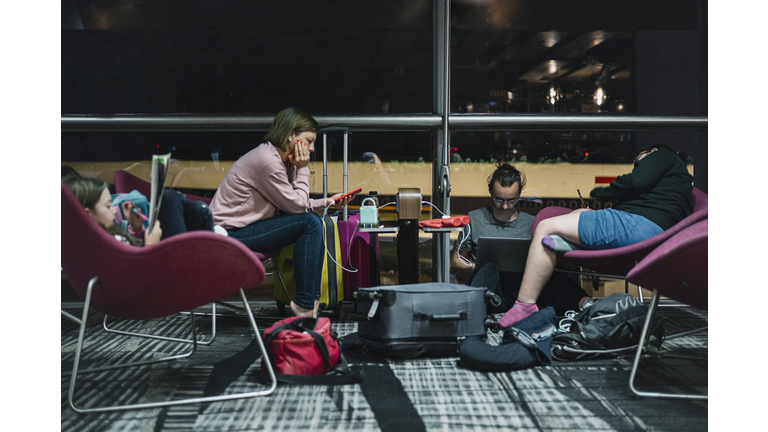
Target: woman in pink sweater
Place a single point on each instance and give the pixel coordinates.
(264, 202)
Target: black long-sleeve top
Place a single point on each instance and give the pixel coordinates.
(658, 188)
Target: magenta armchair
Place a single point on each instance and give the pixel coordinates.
(676, 269)
(177, 274)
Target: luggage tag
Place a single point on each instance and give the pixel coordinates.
(387, 298)
(373, 309)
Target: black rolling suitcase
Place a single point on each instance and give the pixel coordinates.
(407, 321)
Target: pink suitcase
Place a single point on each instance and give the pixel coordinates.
(359, 257)
(356, 254)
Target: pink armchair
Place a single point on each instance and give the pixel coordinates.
(177, 274)
(678, 270)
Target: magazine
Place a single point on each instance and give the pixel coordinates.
(159, 173)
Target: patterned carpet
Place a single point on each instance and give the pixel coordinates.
(397, 395)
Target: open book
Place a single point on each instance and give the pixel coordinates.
(159, 173)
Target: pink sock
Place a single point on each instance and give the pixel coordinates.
(519, 312)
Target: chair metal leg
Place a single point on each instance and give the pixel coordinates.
(168, 338)
(591, 273)
(78, 353)
(70, 316)
(79, 349)
(282, 283)
(639, 354)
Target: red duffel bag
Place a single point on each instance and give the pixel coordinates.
(301, 346)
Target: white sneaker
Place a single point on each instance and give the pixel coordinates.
(587, 302)
(218, 229)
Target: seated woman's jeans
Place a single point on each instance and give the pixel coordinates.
(306, 231)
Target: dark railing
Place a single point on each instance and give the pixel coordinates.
(380, 123)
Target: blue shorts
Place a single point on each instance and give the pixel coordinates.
(610, 229)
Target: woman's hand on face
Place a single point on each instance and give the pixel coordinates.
(133, 219)
(300, 155)
(154, 237)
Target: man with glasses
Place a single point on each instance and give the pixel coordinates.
(501, 218)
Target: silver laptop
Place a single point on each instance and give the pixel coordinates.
(509, 254)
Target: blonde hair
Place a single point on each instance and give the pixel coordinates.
(87, 190)
(288, 121)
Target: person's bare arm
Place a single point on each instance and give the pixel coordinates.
(459, 265)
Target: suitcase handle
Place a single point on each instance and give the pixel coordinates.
(448, 317)
(330, 129)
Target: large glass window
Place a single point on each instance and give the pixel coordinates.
(574, 57)
(350, 57)
(129, 56)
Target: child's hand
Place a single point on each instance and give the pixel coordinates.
(154, 237)
(133, 219)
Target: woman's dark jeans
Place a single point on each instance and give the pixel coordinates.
(306, 231)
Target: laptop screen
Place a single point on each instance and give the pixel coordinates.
(509, 254)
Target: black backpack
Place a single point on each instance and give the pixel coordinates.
(610, 327)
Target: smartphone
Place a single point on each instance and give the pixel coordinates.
(582, 199)
(354, 192)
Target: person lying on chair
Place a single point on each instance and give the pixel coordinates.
(656, 195)
(502, 218)
(178, 213)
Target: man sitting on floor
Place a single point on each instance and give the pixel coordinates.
(502, 219)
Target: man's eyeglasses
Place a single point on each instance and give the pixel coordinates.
(510, 202)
